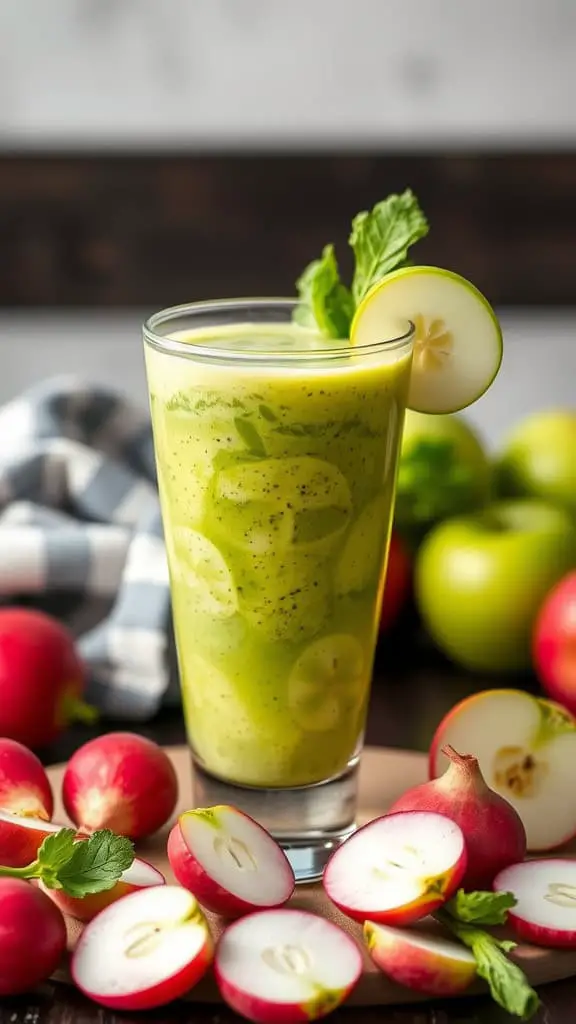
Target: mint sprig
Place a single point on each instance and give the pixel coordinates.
(79, 867)
(479, 907)
(325, 303)
(464, 915)
(381, 239)
(508, 985)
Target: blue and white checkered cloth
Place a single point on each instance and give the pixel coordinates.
(81, 536)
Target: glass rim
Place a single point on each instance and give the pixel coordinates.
(189, 350)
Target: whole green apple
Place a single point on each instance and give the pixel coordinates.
(480, 580)
(443, 471)
(538, 459)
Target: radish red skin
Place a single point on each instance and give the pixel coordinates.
(19, 846)
(190, 874)
(32, 936)
(40, 674)
(24, 786)
(120, 781)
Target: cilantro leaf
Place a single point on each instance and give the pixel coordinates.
(325, 302)
(381, 239)
(94, 865)
(56, 849)
(486, 908)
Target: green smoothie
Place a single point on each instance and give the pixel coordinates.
(276, 483)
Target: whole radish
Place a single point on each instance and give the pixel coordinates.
(493, 831)
(24, 785)
(120, 781)
(32, 936)
(41, 678)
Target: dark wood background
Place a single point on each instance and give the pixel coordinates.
(152, 230)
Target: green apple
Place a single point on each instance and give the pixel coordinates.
(538, 459)
(443, 471)
(480, 580)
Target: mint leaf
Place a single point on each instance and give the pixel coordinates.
(95, 864)
(325, 303)
(382, 238)
(479, 907)
(508, 985)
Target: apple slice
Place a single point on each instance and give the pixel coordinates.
(230, 863)
(397, 868)
(424, 962)
(545, 890)
(144, 950)
(140, 875)
(457, 341)
(526, 748)
(285, 965)
(21, 838)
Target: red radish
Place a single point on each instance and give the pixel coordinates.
(419, 960)
(32, 936)
(554, 643)
(21, 838)
(41, 678)
(230, 863)
(285, 965)
(545, 891)
(140, 875)
(494, 833)
(397, 868)
(24, 785)
(120, 781)
(525, 748)
(144, 950)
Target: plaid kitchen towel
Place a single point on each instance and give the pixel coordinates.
(81, 536)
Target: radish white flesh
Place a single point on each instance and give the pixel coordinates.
(272, 960)
(139, 951)
(142, 874)
(545, 890)
(225, 849)
(395, 862)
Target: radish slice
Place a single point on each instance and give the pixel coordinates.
(144, 950)
(397, 868)
(285, 965)
(230, 863)
(545, 890)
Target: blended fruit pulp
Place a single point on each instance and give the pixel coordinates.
(276, 485)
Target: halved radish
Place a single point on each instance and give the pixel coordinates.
(140, 875)
(285, 965)
(230, 863)
(144, 950)
(21, 838)
(458, 340)
(424, 962)
(397, 868)
(545, 890)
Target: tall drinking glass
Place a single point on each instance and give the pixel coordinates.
(277, 456)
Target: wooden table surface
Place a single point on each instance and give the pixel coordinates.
(413, 688)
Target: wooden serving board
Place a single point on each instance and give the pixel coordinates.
(384, 775)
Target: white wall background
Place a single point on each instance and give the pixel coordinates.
(229, 73)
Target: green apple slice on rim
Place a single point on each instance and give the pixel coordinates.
(458, 340)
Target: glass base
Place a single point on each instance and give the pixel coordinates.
(308, 822)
